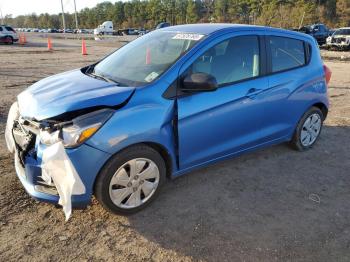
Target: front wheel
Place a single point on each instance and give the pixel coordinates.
(308, 129)
(130, 180)
(9, 40)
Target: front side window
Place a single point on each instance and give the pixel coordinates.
(230, 61)
(146, 58)
(0, 28)
(286, 53)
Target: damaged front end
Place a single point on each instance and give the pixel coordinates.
(48, 153)
(339, 42)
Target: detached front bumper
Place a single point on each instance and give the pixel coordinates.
(87, 161)
(52, 173)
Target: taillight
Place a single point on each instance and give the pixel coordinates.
(328, 73)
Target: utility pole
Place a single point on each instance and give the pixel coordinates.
(302, 20)
(2, 18)
(76, 17)
(319, 11)
(64, 22)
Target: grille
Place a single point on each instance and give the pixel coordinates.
(43, 187)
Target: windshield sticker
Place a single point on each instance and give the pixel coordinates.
(151, 76)
(182, 36)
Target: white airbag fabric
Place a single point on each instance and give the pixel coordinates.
(57, 166)
(12, 116)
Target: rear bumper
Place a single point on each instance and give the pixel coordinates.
(87, 161)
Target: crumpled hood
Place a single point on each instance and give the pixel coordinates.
(67, 92)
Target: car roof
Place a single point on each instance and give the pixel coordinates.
(206, 28)
(211, 28)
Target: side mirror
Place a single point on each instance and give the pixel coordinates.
(199, 82)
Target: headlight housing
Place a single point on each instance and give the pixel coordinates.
(80, 129)
(84, 127)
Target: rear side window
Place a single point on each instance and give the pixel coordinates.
(286, 53)
(9, 28)
(0, 28)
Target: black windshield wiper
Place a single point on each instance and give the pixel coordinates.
(103, 78)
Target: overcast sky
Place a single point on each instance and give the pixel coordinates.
(23, 7)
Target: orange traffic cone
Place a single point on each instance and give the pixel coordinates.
(83, 47)
(24, 38)
(49, 44)
(21, 40)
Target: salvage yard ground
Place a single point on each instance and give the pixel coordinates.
(272, 205)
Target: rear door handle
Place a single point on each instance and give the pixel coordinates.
(253, 92)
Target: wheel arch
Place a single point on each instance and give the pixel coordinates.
(323, 108)
(164, 154)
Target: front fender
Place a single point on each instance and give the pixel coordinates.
(139, 121)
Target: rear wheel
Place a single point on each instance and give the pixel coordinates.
(130, 180)
(308, 129)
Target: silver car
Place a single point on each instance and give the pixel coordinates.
(7, 34)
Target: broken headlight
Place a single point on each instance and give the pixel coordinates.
(78, 130)
(84, 127)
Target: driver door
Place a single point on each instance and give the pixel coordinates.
(212, 125)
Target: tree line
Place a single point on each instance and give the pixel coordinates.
(148, 13)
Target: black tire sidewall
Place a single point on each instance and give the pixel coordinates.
(297, 136)
(103, 180)
(11, 40)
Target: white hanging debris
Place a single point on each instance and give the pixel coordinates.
(57, 166)
(12, 116)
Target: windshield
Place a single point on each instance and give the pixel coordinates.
(342, 32)
(146, 58)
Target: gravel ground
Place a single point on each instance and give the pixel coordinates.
(272, 205)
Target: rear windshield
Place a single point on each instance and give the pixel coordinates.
(342, 32)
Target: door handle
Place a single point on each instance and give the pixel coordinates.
(253, 92)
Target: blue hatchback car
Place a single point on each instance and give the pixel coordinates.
(171, 101)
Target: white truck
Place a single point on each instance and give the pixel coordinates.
(105, 29)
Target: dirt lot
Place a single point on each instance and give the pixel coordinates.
(271, 205)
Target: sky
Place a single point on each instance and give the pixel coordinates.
(23, 7)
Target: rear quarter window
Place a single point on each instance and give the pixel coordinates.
(287, 53)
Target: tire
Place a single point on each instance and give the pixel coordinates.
(130, 180)
(9, 40)
(305, 134)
